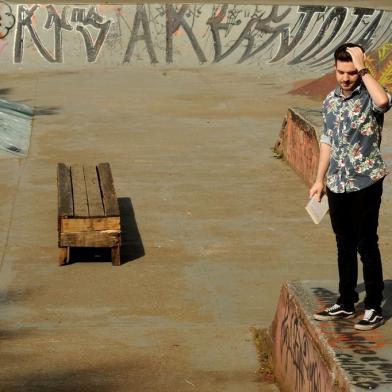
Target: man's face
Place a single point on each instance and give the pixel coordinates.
(346, 76)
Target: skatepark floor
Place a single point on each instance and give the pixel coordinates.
(213, 225)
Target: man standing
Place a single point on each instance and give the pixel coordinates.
(350, 156)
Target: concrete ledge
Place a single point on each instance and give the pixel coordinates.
(326, 356)
(298, 142)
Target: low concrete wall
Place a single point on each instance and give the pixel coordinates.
(298, 142)
(301, 360)
(325, 356)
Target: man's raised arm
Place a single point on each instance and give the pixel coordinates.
(379, 97)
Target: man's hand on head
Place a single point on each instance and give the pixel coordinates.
(358, 57)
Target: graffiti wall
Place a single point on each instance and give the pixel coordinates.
(363, 355)
(328, 356)
(185, 34)
(298, 364)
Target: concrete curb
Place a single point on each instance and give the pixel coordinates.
(325, 356)
(298, 141)
(302, 358)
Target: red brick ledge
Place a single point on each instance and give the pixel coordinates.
(298, 142)
(302, 357)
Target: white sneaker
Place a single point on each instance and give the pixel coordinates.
(371, 319)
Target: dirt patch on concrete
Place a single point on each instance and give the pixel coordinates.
(263, 345)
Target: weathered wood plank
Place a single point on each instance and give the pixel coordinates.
(79, 191)
(94, 198)
(107, 188)
(63, 256)
(94, 239)
(64, 191)
(89, 224)
(116, 255)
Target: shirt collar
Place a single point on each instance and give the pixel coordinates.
(357, 90)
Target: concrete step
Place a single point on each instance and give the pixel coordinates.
(309, 355)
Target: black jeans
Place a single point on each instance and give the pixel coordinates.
(354, 218)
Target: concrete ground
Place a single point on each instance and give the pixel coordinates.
(213, 224)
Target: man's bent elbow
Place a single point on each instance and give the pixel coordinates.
(382, 103)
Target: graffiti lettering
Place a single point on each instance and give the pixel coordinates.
(367, 37)
(336, 16)
(297, 352)
(258, 23)
(25, 16)
(7, 19)
(60, 23)
(141, 19)
(174, 20)
(360, 13)
(357, 352)
(307, 13)
(237, 33)
(94, 19)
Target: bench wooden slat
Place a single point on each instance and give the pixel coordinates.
(93, 239)
(108, 193)
(79, 191)
(88, 214)
(94, 199)
(64, 191)
(89, 224)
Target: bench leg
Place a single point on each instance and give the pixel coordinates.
(64, 256)
(116, 255)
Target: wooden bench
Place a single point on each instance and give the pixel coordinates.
(88, 211)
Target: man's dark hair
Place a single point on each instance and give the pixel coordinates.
(342, 55)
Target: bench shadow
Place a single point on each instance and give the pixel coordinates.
(131, 242)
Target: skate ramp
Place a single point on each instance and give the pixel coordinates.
(185, 102)
(15, 127)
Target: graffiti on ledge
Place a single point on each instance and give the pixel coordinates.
(169, 33)
(299, 360)
(358, 352)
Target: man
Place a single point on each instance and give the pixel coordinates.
(350, 157)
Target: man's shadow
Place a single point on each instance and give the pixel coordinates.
(387, 305)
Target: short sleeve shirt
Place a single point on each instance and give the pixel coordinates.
(352, 127)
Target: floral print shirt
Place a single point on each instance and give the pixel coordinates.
(352, 127)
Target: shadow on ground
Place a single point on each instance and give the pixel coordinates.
(330, 297)
(105, 378)
(4, 92)
(38, 110)
(387, 307)
(131, 242)
(8, 299)
(49, 111)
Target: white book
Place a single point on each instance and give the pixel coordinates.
(317, 210)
